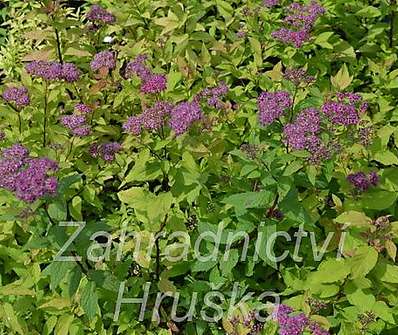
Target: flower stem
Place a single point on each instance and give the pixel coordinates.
(20, 122)
(70, 148)
(58, 41)
(45, 115)
(19, 116)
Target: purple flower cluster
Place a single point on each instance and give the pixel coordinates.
(53, 71)
(298, 76)
(299, 21)
(270, 3)
(366, 135)
(28, 178)
(345, 109)
(297, 38)
(289, 324)
(316, 329)
(150, 82)
(272, 105)
(213, 95)
(295, 324)
(155, 83)
(183, 115)
(70, 72)
(249, 323)
(83, 109)
(241, 34)
(362, 182)
(17, 95)
(99, 15)
(302, 134)
(76, 124)
(151, 119)
(106, 151)
(103, 60)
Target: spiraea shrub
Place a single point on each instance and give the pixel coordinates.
(199, 167)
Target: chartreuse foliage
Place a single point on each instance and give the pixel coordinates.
(226, 173)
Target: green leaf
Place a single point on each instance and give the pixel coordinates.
(227, 265)
(89, 299)
(381, 310)
(361, 299)
(386, 158)
(143, 170)
(242, 201)
(256, 47)
(63, 324)
(57, 272)
(149, 208)
(387, 273)
(203, 266)
(311, 174)
(378, 199)
(293, 167)
(354, 218)
(49, 325)
(56, 303)
(266, 232)
(58, 211)
(225, 9)
(363, 262)
(330, 271)
(13, 320)
(75, 208)
(342, 79)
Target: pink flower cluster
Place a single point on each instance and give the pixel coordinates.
(180, 117)
(150, 82)
(213, 95)
(299, 23)
(106, 151)
(99, 15)
(298, 76)
(183, 115)
(103, 60)
(17, 95)
(303, 134)
(77, 122)
(346, 109)
(151, 119)
(291, 323)
(28, 178)
(362, 182)
(49, 70)
(272, 105)
(270, 3)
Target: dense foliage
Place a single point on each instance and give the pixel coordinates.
(233, 162)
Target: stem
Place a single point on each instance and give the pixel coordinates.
(293, 102)
(20, 122)
(268, 169)
(77, 93)
(58, 40)
(70, 148)
(157, 270)
(45, 115)
(19, 116)
(392, 22)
